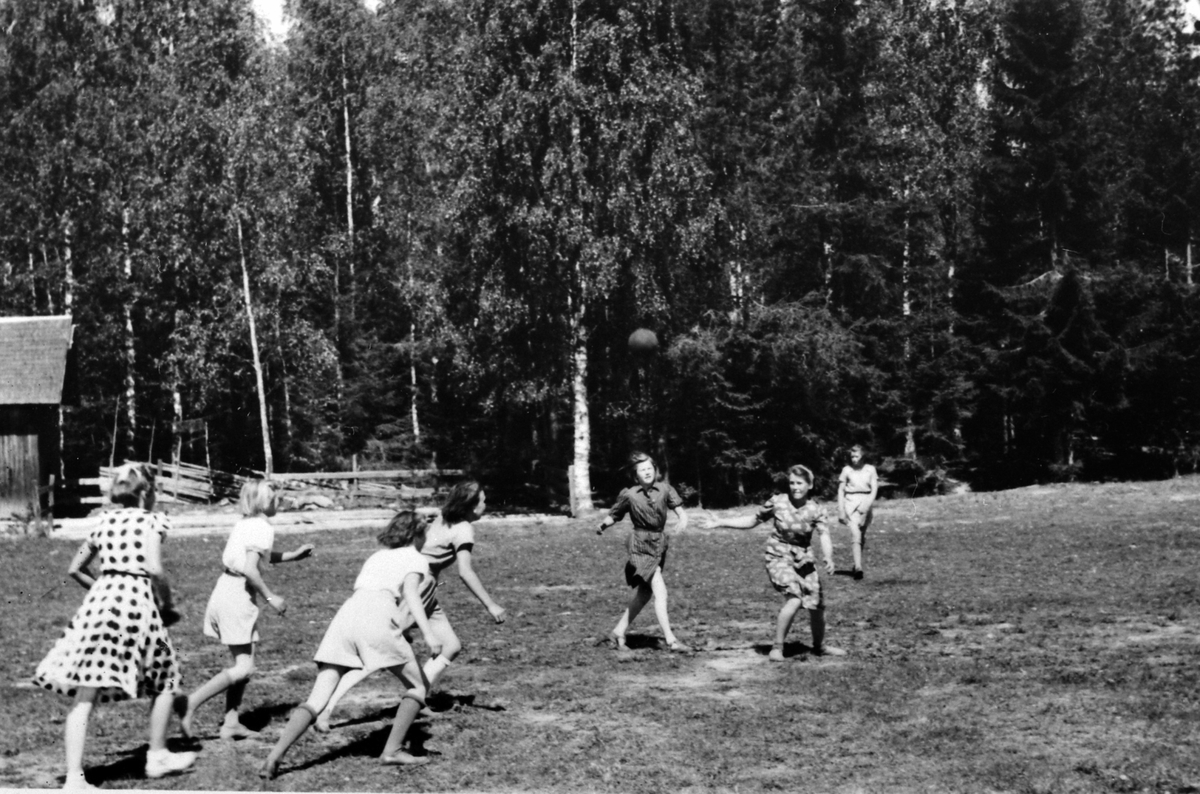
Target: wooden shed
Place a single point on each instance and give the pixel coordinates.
(33, 362)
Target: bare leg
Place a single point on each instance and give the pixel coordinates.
(783, 624)
(641, 597)
(75, 731)
(352, 677)
(451, 647)
(414, 697)
(231, 681)
(328, 677)
(658, 586)
(159, 760)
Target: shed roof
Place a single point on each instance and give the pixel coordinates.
(33, 359)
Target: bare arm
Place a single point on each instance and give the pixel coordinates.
(841, 497)
(78, 570)
(292, 556)
(740, 522)
(466, 572)
(827, 550)
(258, 584)
(412, 596)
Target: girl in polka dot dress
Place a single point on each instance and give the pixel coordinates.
(116, 647)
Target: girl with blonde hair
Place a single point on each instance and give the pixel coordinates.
(232, 613)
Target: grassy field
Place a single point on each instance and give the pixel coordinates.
(1038, 640)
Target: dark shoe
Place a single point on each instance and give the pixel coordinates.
(857, 573)
(269, 770)
(403, 759)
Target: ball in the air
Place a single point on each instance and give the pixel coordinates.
(643, 340)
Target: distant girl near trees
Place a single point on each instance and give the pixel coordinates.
(367, 633)
(790, 562)
(858, 485)
(116, 646)
(449, 539)
(647, 503)
(232, 613)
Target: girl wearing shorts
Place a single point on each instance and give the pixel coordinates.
(368, 633)
(449, 539)
(232, 614)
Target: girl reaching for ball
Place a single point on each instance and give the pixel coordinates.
(647, 504)
(790, 562)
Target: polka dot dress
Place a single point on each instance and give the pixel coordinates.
(116, 642)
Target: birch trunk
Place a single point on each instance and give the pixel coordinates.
(910, 433)
(349, 186)
(130, 351)
(268, 460)
(581, 477)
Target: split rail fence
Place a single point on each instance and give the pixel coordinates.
(188, 483)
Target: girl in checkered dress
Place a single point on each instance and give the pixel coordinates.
(789, 558)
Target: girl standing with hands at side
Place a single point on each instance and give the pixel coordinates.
(449, 539)
(232, 613)
(368, 633)
(858, 485)
(116, 647)
(790, 562)
(647, 504)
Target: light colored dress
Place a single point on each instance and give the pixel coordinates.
(116, 642)
(791, 564)
(368, 629)
(231, 616)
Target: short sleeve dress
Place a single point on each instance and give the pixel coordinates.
(231, 616)
(116, 642)
(788, 555)
(647, 507)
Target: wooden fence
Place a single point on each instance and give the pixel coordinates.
(188, 483)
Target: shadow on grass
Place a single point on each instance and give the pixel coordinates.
(790, 649)
(368, 746)
(132, 763)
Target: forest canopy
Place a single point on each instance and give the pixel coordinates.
(959, 233)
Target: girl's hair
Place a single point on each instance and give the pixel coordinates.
(640, 457)
(133, 486)
(460, 502)
(403, 530)
(801, 471)
(256, 498)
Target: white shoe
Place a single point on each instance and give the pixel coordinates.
(78, 783)
(165, 763)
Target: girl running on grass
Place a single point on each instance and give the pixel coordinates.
(449, 539)
(789, 557)
(647, 504)
(367, 633)
(232, 614)
(116, 647)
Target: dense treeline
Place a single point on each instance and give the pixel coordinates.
(960, 232)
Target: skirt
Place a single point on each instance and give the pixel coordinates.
(116, 643)
(793, 571)
(647, 552)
